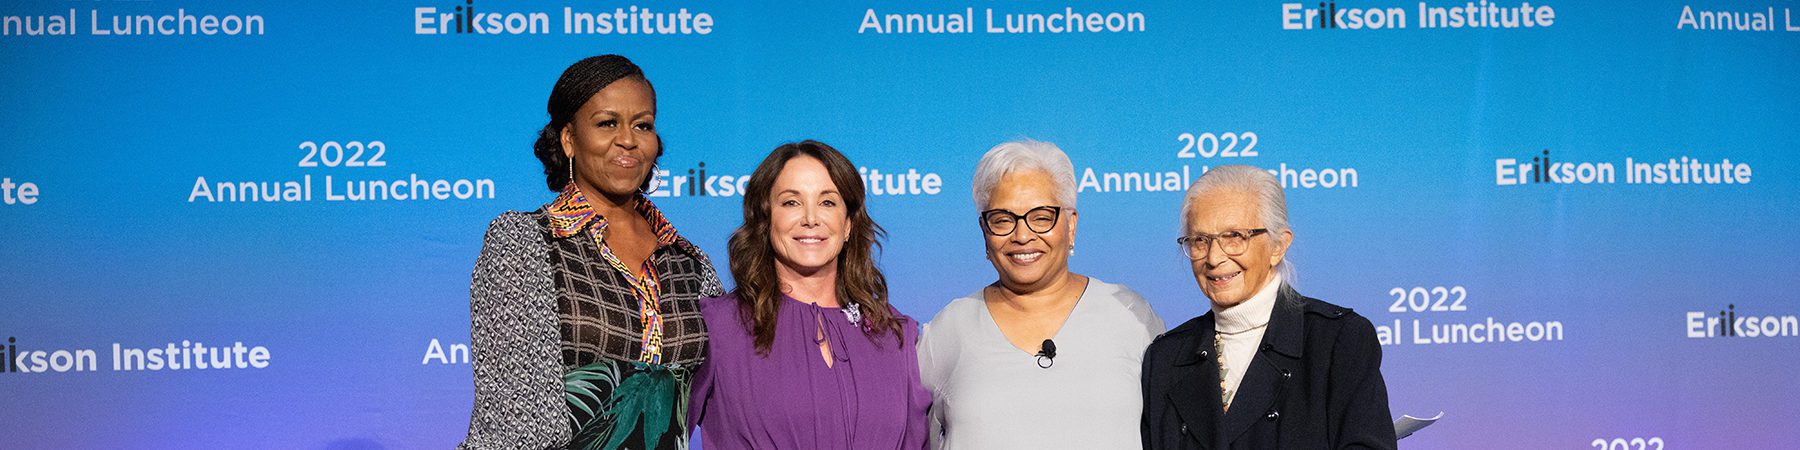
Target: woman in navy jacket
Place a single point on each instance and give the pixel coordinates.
(1267, 367)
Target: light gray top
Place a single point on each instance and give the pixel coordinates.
(988, 394)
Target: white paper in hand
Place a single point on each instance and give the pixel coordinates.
(1407, 425)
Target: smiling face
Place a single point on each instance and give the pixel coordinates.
(1028, 261)
(1227, 279)
(808, 222)
(613, 140)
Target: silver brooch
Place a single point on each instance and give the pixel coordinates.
(854, 313)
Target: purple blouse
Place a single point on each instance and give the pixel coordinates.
(870, 398)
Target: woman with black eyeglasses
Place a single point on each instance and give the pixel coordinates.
(1042, 358)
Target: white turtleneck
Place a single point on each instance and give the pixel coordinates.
(1239, 329)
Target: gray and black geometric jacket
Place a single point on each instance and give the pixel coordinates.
(516, 341)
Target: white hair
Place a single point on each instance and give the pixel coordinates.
(1023, 156)
(1271, 203)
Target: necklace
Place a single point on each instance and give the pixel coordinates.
(1246, 330)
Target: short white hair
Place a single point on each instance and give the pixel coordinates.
(1271, 203)
(1023, 156)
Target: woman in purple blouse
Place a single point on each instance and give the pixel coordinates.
(805, 351)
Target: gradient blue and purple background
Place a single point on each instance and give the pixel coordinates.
(347, 296)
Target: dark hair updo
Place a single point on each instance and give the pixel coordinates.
(578, 84)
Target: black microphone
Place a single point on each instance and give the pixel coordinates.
(1047, 354)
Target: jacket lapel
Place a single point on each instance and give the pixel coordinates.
(1277, 357)
(1195, 390)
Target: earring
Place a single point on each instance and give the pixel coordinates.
(571, 170)
(1071, 249)
(650, 184)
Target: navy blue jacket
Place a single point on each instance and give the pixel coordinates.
(1315, 382)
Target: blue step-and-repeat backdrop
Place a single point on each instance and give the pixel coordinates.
(250, 224)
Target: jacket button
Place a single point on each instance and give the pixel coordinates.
(1205, 354)
(1267, 347)
(1272, 415)
(1184, 429)
(1285, 374)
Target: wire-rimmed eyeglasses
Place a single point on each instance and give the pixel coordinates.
(1233, 242)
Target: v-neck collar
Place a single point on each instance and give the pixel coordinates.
(994, 324)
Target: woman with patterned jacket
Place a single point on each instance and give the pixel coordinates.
(585, 318)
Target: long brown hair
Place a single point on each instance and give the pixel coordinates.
(859, 281)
